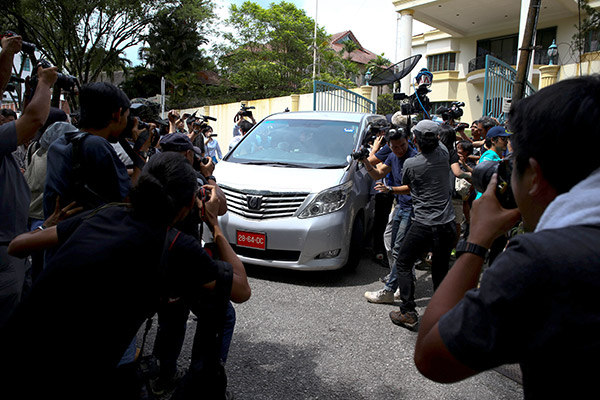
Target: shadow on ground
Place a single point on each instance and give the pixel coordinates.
(282, 372)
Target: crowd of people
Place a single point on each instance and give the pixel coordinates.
(101, 226)
(113, 239)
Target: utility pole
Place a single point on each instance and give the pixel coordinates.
(315, 41)
(526, 48)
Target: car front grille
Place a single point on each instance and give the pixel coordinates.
(262, 205)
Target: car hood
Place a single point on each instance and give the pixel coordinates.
(276, 179)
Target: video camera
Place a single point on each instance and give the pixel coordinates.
(454, 112)
(204, 119)
(418, 102)
(244, 110)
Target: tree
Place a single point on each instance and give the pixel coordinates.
(270, 51)
(589, 26)
(84, 38)
(172, 50)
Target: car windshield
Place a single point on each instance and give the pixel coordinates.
(298, 143)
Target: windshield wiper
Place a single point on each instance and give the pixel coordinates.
(333, 166)
(276, 163)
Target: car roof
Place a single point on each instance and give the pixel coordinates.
(322, 115)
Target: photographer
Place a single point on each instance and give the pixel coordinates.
(102, 294)
(100, 176)
(241, 116)
(426, 177)
(244, 127)
(394, 164)
(535, 304)
(14, 192)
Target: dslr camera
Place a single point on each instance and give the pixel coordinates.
(482, 174)
(65, 82)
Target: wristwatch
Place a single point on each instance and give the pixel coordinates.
(467, 247)
(211, 177)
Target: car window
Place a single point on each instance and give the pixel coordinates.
(302, 143)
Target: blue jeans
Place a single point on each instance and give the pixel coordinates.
(400, 225)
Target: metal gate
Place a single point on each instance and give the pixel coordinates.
(498, 87)
(329, 97)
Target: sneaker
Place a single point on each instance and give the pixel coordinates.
(397, 294)
(408, 320)
(381, 297)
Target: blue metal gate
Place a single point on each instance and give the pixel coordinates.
(498, 87)
(329, 97)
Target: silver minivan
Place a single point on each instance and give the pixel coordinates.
(296, 197)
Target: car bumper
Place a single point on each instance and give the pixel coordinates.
(293, 243)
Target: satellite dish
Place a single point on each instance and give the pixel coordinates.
(395, 72)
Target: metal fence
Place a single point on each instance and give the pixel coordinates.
(498, 87)
(329, 97)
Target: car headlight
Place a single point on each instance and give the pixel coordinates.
(328, 201)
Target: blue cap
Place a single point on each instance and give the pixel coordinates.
(497, 131)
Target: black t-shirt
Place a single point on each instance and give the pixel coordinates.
(104, 280)
(537, 306)
(428, 175)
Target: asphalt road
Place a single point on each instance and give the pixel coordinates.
(309, 335)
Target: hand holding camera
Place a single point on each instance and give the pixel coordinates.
(489, 219)
(11, 43)
(208, 204)
(47, 75)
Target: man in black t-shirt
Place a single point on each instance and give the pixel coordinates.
(535, 305)
(427, 178)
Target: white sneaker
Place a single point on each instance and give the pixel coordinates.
(397, 294)
(381, 296)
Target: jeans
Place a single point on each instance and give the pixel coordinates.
(420, 238)
(400, 225)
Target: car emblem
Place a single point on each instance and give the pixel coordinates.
(254, 202)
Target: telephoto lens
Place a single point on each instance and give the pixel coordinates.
(482, 174)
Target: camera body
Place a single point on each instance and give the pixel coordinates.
(64, 82)
(26, 47)
(361, 154)
(482, 174)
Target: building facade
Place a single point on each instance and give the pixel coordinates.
(466, 31)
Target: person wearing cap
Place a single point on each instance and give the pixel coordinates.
(173, 315)
(536, 304)
(499, 139)
(426, 177)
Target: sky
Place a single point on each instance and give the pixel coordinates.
(373, 22)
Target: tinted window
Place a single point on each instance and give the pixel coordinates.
(306, 143)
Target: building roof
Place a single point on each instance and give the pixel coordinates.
(360, 55)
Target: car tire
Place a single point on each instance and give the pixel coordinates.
(356, 244)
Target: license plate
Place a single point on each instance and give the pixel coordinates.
(252, 240)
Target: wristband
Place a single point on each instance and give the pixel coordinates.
(211, 177)
(467, 247)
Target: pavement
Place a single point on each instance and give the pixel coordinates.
(312, 335)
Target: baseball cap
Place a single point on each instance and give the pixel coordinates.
(176, 142)
(427, 128)
(497, 131)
